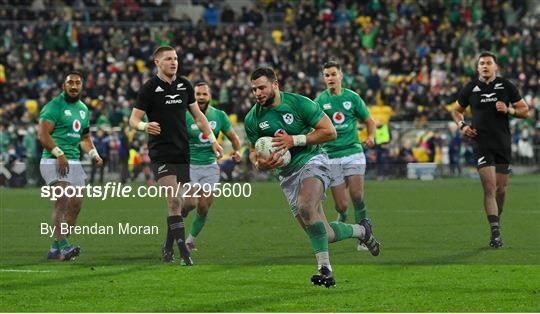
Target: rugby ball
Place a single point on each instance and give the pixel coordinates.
(264, 148)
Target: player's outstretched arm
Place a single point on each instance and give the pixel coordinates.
(370, 141)
(88, 147)
(236, 144)
(45, 129)
(136, 122)
(202, 124)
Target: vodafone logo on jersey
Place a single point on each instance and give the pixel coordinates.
(280, 131)
(76, 125)
(338, 117)
(203, 138)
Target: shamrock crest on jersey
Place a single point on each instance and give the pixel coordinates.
(288, 118)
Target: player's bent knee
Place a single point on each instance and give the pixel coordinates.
(75, 204)
(188, 207)
(489, 188)
(203, 212)
(489, 193)
(202, 209)
(174, 203)
(306, 214)
(189, 204)
(501, 187)
(341, 206)
(358, 201)
(309, 202)
(62, 203)
(71, 217)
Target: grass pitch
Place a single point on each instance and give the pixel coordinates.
(253, 257)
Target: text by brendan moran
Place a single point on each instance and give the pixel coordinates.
(97, 229)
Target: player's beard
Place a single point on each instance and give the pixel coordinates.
(270, 100)
(203, 106)
(71, 99)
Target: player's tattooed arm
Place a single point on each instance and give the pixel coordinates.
(45, 128)
(519, 109)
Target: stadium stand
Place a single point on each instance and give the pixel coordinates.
(407, 59)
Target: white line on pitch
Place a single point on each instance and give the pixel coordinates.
(24, 271)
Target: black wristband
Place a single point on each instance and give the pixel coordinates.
(462, 124)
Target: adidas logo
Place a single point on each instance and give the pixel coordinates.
(159, 89)
(476, 89)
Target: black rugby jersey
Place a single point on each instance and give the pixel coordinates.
(492, 126)
(166, 104)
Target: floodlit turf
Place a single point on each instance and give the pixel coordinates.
(253, 257)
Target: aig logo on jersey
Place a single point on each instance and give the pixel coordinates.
(347, 105)
(288, 118)
(338, 117)
(76, 125)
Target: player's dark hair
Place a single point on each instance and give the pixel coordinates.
(203, 83)
(264, 71)
(159, 50)
(74, 72)
(332, 64)
(200, 83)
(486, 54)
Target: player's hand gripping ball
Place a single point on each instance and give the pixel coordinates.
(264, 148)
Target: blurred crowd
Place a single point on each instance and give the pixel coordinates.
(411, 57)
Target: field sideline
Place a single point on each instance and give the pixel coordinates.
(253, 257)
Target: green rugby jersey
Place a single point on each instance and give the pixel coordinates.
(199, 146)
(295, 115)
(343, 110)
(70, 121)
